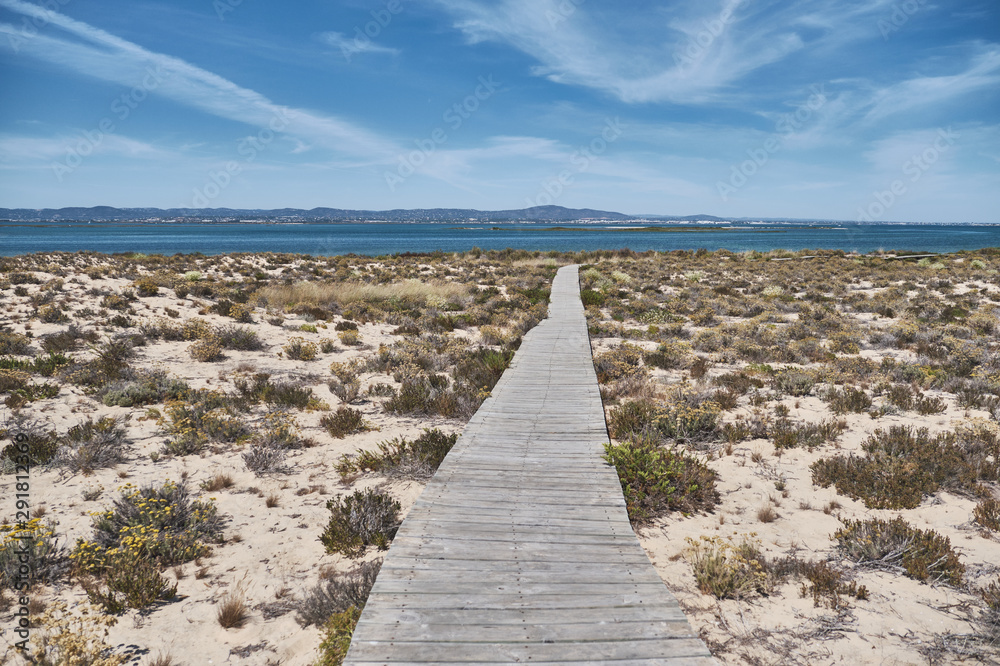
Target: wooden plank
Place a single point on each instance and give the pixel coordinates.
(519, 549)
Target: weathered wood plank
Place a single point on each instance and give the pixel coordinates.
(519, 549)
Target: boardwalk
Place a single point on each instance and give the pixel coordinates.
(520, 550)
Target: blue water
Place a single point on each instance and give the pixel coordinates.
(392, 238)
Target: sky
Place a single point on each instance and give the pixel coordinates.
(862, 110)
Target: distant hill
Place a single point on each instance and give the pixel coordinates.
(110, 214)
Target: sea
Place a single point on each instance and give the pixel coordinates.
(386, 238)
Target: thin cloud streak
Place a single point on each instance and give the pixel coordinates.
(113, 59)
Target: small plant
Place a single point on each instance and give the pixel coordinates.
(338, 594)
(345, 421)
(241, 338)
(129, 581)
(66, 638)
(657, 480)
(337, 636)
(145, 287)
(160, 524)
(728, 570)
(207, 350)
(848, 400)
(351, 338)
(902, 466)
(142, 388)
(366, 518)
(298, 349)
(233, 611)
(987, 514)
(416, 459)
(91, 445)
(32, 543)
(923, 555)
(218, 482)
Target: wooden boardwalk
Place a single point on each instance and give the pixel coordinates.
(519, 550)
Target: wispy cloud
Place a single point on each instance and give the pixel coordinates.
(983, 73)
(102, 55)
(17, 150)
(349, 46)
(670, 53)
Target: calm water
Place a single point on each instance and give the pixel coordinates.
(386, 238)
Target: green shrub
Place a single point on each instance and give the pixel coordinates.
(623, 362)
(669, 355)
(727, 570)
(657, 480)
(298, 349)
(786, 434)
(848, 400)
(162, 525)
(923, 555)
(207, 349)
(42, 444)
(52, 314)
(14, 343)
(242, 338)
(366, 518)
(592, 298)
(207, 416)
(987, 514)
(793, 383)
(337, 636)
(902, 465)
(146, 287)
(636, 418)
(34, 544)
(128, 580)
(417, 459)
(345, 421)
(144, 388)
(350, 338)
(13, 380)
(91, 445)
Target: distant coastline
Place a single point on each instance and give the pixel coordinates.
(535, 215)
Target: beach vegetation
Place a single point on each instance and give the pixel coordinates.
(360, 520)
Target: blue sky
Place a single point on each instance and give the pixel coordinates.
(859, 109)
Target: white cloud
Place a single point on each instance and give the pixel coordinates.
(983, 72)
(20, 149)
(683, 53)
(351, 46)
(102, 55)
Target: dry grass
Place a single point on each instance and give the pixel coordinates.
(233, 610)
(346, 293)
